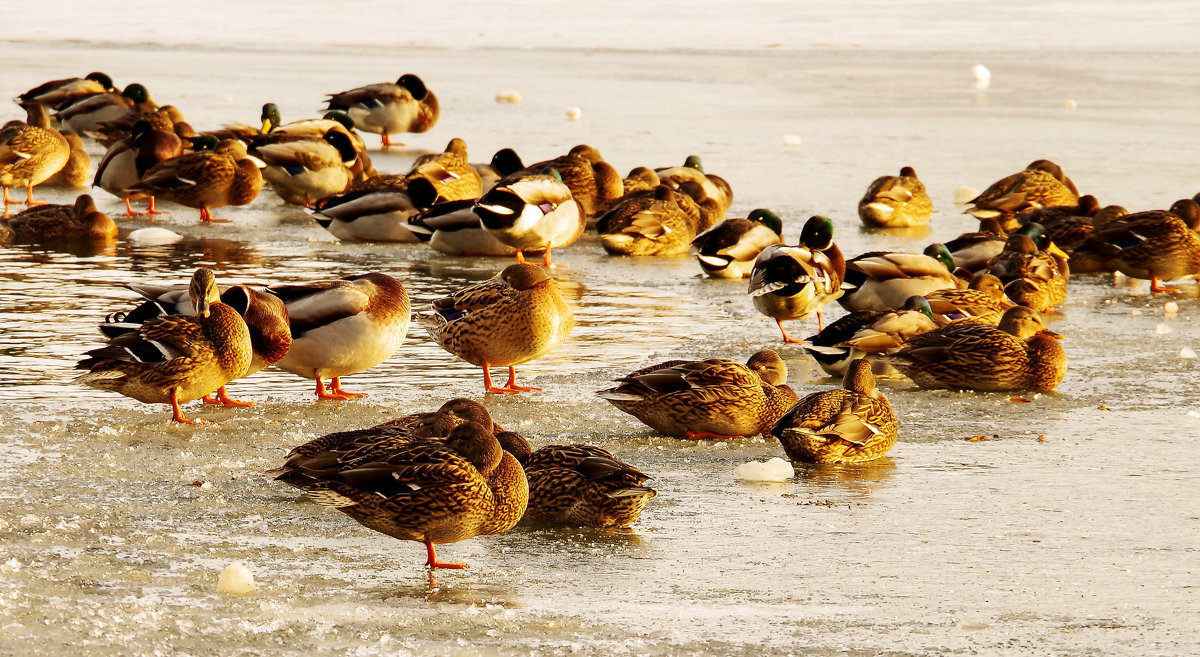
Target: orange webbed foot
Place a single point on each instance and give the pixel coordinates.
(701, 435)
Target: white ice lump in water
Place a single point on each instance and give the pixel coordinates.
(574, 113)
(236, 579)
(776, 469)
(1187, 353)
(792, 140)
(982, 75)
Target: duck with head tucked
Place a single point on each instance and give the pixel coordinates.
(793, 282)
(532, 212)
(1156, 245)
(896, 201)
(1041, 184)
(56, 94)
(661, 222)
(206, 179)
(883, 280)
(729, 249)
(514, 317)
(852, 424)
(580, 485)
(51, 223)
(714, 398)
(426, 490)
(86, 115)
(386, 108)
(176, 358)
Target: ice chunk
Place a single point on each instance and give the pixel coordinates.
(236, 579)
(791, 140)
(1162, 329)
(1170, 308)
(982, 76)
(776, 469)
(573, 113)
(1070, 104)
(153, 236)
(510, 97)
(964, 194)
(1187, 353)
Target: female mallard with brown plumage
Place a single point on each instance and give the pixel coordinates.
(582, 485)
(425, 490)
(532, 211)
(1157, 244)
(51, 222)
(714, 398)
(661, 221)
(175, 359)
(30, 153)
(1031, 276)
(128, 160)
(1040, 185)
(1019, 354)
(793, 282)
(78, 169)
(205, 179)
(881, 280)
(447, 176)
(514, 317)
(593, 182)
(729, 249)
(714, 187)
(852, 424)
(896, 201)
(982, 301)
(386, 108)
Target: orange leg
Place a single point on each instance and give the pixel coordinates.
(321, 394)
(694, 435)
(1156, 287)
(151, 211)
(820, 322)
(786, 339)
(8, 200)
(508, 388)
(335, 386)
(222, 398)
(206, 215)
(129, 211)
(29, 197)
(520, 257)
(512, 381)
(431, 558)
(548, 263)
(178, 412)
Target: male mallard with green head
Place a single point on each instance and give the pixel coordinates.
(793, 282)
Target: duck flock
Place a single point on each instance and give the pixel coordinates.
(965, 314)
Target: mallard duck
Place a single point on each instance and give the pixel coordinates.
(78, 169)
(583, 485)
(714, 398)
(514, 317)
(88, 113)
(640, 178)
(383, 215)
(594, 183)
(729, 249)
(793, 282)
(532, 211)
(78, 221)
(896, 201)
(448, 176)
(361, 169)
(1156, 244)
(833, 359)
(429, 491)
(166, 117)
(1019, 354)
(60, 93)
(128, 160)
(307, 170)
(1085, 261)
(175, 359)
(714, 186)
(265, 315)
(455, 229)
(342, 326)
(30, 153)
(971, 252)
(982, 301)
(205, 179)
(852, 424)
(1041, 184)
(881, 280)
(661, 221)
(1031, 276)
(385, 108)
(504, 162)
(1065, 225)
(892, 329)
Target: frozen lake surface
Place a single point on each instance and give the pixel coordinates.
(1071, 530)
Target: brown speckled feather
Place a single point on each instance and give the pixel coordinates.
(584, 485)
(849, 425)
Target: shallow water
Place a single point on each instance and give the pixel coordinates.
(1070, 530)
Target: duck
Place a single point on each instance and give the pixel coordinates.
(504, 162)
(50, 222)
(455, 229)
(1031, 276)
(371, 215)
(448, 176)
(86, 115)
(834, 359)
(30, 153)
(714, 398)
(1065, 225)
(341, 327)
(532, 211)
(657, 222)
(593, 182)
(514, 317)
(892, 329)
(60, 93)
(265, 315)
(793, 282)
(126, 161)
(972, 251)
(306, 170)
(883, 280)
(1041, 184)
(982, 300)
(851, 424)
(1018, 354)
(729, 248)
(1156, 244)
(78, 170)
(205, 179)
(896, 201)
(175, 359)
(583, 486)
(640, 178)
(428, 490)
(361, 169)
(165, 117)
(714, 186)
(386, 108)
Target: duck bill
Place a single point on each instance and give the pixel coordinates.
(1054, 250)
(1052, 334)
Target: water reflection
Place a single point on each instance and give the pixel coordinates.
(852, 480)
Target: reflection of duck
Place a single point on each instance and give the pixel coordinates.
(583, 485)
(175, 359)
(429, 491)
(793, 282)
(852, 424)
(896, 201)
(714, 398)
